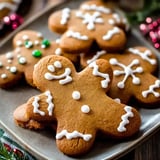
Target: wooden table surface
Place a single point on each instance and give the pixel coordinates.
(147, 150)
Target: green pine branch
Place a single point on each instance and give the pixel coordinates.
(151, 8)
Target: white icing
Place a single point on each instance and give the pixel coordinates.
(3, 76)
(19, 43)
(74, 134)
(58, 40)
(22, 60)
(96, 56)
(57, 64)
(76, 95)
(25, 37)
(13, 69)
(9, 61)
(49, 101)
(127, 71)
(65, 75)
(117, 100)
(7, 67)
(125, 121)
(94, 7)
(76, 35)
(36, 106)
(65, 16)
(156, 85)
(89, 19)
(85, 109)
(111, 33)
(144, 55)
(39, 35)
(104, 83)
(1, 64)
(58, 51)
(51, 68)
(36, 42)
(117, 17)
(9, 55)
(111, 21)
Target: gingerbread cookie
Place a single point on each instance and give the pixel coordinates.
(29, 48)
(93, 22)
(79, 104)
(133, 75)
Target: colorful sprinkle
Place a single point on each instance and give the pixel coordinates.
(28, 44)
(45, 43)
(37, 53)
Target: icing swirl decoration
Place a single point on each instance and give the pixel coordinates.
(36, 105)
(127, 71)
(144, 55)
(89, 19)
(125, 121)
(151, 90)
(76, 35)
(72, 135)
(96, 56)
(65, 16)
(105, 82)
(111, 33)
(94, 7)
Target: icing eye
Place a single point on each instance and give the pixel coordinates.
(76, 95)
(45, 43)
(28, 44)
(37, 53)
(57, 64)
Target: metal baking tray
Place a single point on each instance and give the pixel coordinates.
(42, 143)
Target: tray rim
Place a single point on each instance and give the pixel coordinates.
(133, 145)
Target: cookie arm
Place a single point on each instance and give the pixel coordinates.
(36, 112)
(57, 21)
(120, 120)
(111, 39)
(149, 91)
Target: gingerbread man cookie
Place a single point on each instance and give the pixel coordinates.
(79, 104)
(133, 75)
(93, 22)
(29, 48)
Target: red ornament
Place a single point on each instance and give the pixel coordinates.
(10, 23)
(151, 30)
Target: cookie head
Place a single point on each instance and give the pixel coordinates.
(91, 23)
(29, 47)
(77, 101)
